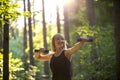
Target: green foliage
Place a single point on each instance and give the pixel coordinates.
(40, 66)
(15, 67)
(16, 47)
(85, 31)
(8, 10)
(38, 37)
(31, 73)
(27, 14)
(1, 66)
(96, 60)
(99, 65)
(104, 12)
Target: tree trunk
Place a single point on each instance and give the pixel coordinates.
(25, 26)
(66, 24)
(6, 51)
(30, 36)
(25, 56)
(91, 20)
(90, 12)
(46, 68)
(1, 33)
(117, 35)
(34, 14)
(1, 37)
(58, 18)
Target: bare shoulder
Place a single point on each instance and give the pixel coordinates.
(68, 53)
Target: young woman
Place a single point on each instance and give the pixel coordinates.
(60, 57)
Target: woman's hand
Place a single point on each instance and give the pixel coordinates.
(41, 50)
(38, 52)
(84, 40)
(40, 56)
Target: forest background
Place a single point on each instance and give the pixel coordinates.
(26, 25)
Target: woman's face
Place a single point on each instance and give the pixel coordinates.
(59, 41)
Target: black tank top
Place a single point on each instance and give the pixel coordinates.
(60, 67)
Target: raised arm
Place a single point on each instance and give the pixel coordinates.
(75, 47)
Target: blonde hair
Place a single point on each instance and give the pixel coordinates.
(53, 42)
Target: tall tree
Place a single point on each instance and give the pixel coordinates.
(66, 23)
(90, 12)
(34, 14)
(30, 36)
(91, 20)
(1, 32)
(1, 37)
(25, 26)
(6, 50)
(25, 56)
(7, 16)
(46, 69)
(58, 18)
(117, 35)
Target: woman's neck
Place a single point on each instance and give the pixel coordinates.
(58, 51)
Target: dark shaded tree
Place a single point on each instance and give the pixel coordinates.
(25, 26)
(117, 35)
(91, 20)
(34, 14)
(1, 37)
(1, 33)
(66, 23)
(25, 56)
(58, 19)
(103, 9)
(46, 68)
(6, 50)
(30, 36)
(90, 12)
